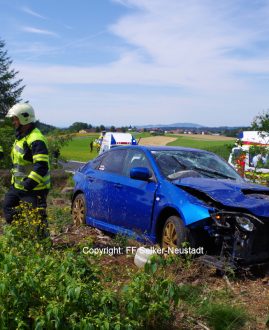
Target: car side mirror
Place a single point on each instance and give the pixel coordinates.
(140, 173)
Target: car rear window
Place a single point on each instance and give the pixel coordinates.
(113, 161)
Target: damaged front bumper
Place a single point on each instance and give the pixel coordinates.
(241, 240)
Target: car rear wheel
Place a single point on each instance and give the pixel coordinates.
(79, 210)
(174, 233)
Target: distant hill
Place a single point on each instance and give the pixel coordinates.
(45, 128)
(176, 125)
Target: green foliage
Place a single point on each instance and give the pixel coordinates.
(222, 151)
(213, 306)
(7, 138)
(121, 240)
(45, 128)
(223, 316)
(42, 287)
(150, 299)
(10, 89)
(261, 122)
(56, 142)
(260, 150)
(59, 217)
(190, 293)
(77, 126)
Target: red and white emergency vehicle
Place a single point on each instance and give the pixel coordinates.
(253, 146)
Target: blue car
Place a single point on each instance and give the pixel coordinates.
(172, 195)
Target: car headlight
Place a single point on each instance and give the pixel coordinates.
(221, 220)
(245, 224)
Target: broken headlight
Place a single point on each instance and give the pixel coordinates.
(222, 220)
(244, 223)
(229, 220)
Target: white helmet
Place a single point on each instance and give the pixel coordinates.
(24, 112)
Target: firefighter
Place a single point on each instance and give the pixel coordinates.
(30, 180)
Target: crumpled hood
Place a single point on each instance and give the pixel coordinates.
(242, 195)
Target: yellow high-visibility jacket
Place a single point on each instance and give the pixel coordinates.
(30, 158)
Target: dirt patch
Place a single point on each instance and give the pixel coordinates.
(156, 140)
(250, 293)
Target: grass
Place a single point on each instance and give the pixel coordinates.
(215, 307)
(219, 147)
(198, 143)
(79, 148)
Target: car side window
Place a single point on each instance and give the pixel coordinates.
(135, 158)
(94, 164)
(113, 161)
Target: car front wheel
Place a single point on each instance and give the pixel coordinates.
(174, 233)
(79, 210)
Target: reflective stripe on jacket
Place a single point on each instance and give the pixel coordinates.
(23, 168)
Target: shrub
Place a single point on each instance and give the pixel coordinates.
(150, 299)
(45, 288)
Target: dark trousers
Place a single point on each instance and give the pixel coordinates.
(38, 198)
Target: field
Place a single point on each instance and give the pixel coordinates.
(79, 148)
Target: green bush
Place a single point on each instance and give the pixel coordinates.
(7, 138)
(42, 287)
(150, 299)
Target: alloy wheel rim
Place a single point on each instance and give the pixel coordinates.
(78, 212)
(170, 236)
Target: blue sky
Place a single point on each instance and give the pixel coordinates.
(133, 62)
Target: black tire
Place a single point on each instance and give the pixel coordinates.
(79, 210)
(174, 233)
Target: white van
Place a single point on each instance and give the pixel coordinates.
(255, 146)
(111, 140)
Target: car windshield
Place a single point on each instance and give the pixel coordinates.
(176, 164)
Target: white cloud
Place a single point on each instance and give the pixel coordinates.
(212, 54)
(195, 44)
(39, 31)
(32, 13)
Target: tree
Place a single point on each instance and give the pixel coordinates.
(77, 126)
(261, 122)
(10, 88)
(7, 138)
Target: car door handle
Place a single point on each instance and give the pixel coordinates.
(90, 178)
(117, 185)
